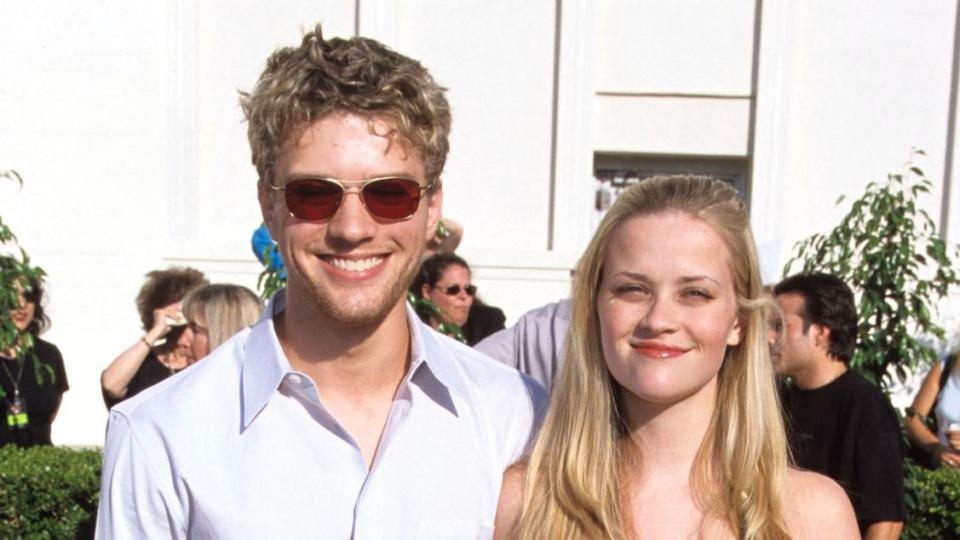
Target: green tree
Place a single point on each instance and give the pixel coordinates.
(15, 274)
(887, 249)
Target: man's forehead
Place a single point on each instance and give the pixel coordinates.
(790, 302)
(379, 124)
(382, 127)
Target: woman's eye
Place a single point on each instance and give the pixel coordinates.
(698, 294)
(630, 289)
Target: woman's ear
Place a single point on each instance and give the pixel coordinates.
(735, 336)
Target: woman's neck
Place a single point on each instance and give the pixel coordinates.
(668, 436)
(660, 497)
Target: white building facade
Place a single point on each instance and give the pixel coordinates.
(123, 120)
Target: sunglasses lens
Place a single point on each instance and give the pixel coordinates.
(392, 198)
(313, 199)
(454, 290)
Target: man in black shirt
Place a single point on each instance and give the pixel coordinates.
(839, 424)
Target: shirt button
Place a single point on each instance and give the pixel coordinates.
(295, 379)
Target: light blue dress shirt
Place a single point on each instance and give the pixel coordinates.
(240, 446)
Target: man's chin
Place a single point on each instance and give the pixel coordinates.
(356, 307)
(357, 314)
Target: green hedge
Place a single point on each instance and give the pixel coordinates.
(48, 492)
(933, 503)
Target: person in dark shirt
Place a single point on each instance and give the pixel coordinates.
(34, 381)
(838, 423)
(164, 348)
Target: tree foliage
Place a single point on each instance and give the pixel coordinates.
(16, 271)
(888, 250)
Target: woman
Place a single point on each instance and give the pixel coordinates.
(164, 348)
(445, 280)
(31, 397)
(216, 312)
(664, 421)
(939, 392)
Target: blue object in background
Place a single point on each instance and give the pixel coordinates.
(264, 247)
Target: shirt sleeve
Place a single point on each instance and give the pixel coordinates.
(500, 346)
(132, 501)
(533, 417)
(879, 465)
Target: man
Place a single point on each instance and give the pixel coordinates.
(839, 423)
(338, 414)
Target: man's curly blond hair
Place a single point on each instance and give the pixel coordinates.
(302, 84)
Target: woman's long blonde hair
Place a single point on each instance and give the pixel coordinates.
(574, 473)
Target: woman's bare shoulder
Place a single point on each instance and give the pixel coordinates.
(511, 501)
(815, 506)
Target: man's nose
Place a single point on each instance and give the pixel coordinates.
(351, 223)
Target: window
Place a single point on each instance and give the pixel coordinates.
(615, 172)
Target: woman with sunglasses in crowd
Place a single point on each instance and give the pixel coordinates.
(33, 383)
(164, 348)
(664, 420)
(444, 279)
(216, 312)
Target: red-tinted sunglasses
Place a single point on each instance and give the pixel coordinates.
(384, 198)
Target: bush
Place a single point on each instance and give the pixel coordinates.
(933, 503)
(48, 492)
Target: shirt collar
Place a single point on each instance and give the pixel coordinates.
(265, 365)
(427, 351)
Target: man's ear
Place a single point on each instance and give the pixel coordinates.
(821, 336)
(434, 210)
(425, 290)
(266, 197)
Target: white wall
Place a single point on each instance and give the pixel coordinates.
(673, 77)
(843, 98)
(123, 120)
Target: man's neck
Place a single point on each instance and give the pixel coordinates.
(345, 359)
(356, 368)
(823, 372)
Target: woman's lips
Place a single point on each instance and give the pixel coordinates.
(658, 350)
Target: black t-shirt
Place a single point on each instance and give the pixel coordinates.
(150, 373)
(848, 431)
(41, 401)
